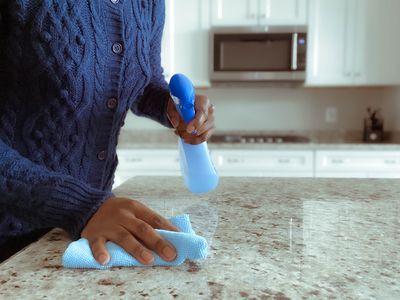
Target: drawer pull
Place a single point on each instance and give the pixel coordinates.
(337, 161)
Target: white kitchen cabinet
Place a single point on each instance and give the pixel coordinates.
(137, 162)
(253, 163)
(357, 164)
(258, 12)
(234, 12)
(353, 42)
(377, 49)
(186, 39)
(263, 163)
(330, 50)
(283, 12)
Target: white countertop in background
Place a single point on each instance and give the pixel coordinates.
(166, 139)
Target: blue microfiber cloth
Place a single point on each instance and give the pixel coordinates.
(187, 243)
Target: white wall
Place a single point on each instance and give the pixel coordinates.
(293, 108)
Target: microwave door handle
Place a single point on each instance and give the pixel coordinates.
(295, 37)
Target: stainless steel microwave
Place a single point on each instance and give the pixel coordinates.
(258, 54)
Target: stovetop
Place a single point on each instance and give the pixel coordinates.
(258, 139)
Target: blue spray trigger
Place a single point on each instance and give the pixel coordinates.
(196, 165)
(183, 94)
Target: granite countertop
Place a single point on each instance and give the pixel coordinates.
(319, 140)
(270, 239)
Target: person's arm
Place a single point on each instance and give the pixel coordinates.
(153, 103)
(48, 199)
(156, 104)
(34, 194)
(45, 198)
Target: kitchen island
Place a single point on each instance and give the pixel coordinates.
(269, 239)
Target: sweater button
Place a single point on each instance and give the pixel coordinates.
(64, 94)
(80, 40)
(117, 48)
(74, 138)
(115, 1)
(102, 155)
(46, 36)
(38, 135)
(112, 103)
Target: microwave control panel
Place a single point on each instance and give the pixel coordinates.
(301, 51)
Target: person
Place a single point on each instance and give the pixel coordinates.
(70, 71)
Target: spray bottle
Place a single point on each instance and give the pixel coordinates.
(196, 165)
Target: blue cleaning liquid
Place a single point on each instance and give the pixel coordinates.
(196, 165)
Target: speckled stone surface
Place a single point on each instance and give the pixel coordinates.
(270, 239)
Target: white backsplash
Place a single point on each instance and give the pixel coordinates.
(293, 108)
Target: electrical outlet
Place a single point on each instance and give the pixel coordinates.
(331, 114)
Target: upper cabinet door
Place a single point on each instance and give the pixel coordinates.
(353, 42)
(258, 12)
(330, 52)
(234, 12)
(282, 12)
(185, 40)
(377, 58)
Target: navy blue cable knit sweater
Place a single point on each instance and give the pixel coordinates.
(69, 73)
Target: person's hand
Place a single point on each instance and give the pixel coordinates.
(129, 224)
(200, 128)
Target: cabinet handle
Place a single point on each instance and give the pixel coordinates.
(337, 161)
(390, 162)
(134, 159)
(284, 160)
(234, 160)
(357, 74)
(263, 16)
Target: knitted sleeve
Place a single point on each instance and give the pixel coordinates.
(153, 103)
(44, 198)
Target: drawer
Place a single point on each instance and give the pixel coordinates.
(264, 162)
(366, 162)
(148, 160)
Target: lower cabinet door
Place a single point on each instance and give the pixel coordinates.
(137, 162)
(357, 164)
